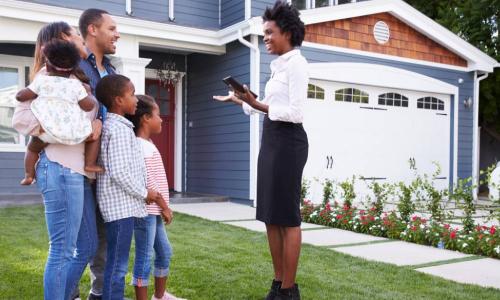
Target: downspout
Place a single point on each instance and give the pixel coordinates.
(171, 16)
(475, 135)
(128, 7)
(254, 118)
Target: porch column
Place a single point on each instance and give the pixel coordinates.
(133, 68)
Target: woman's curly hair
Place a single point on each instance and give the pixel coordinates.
(287, 18)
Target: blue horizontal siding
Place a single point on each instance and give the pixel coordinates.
(218, 143)
(197, 13)
(11, 173)
(259, 6)
(193, 13)
(232, 12)
(466, 89)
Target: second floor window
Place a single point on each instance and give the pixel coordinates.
(306, 4)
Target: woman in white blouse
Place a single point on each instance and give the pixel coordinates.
(284, 146)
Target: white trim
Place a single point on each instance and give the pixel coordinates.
(151, 74)
(384, 76)
(254, 118)
(384, 56)
(412, 17)
(475, 133)
(19, 63)
(378, 75)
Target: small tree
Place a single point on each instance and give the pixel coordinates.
(304, 190)
(348, 193)
(463, 196)
(327, 191)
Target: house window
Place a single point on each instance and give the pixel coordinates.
(393, 99)
(306, 4)
(321, 3)
(315, 92)
(344, 1)
(9, 85)
(300, 4)
(431, 103)
(351, 95)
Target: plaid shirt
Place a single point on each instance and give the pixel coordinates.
(121, 189)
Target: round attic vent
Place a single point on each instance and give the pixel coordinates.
(381, 32)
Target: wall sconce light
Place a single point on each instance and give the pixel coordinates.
(468, 102)
(460, 80)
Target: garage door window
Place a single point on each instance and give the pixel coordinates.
(431, 103)
(315, 92)
(393, 99)
(351, 95)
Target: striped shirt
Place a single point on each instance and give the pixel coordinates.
(156, 178)
(121, 189)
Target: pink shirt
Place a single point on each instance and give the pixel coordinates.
(156, 177)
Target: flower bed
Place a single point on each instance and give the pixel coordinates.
(482, 240)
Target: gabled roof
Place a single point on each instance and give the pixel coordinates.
(477, 59)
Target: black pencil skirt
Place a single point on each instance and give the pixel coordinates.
(282, 157)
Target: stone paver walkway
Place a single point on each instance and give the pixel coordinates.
(443, 263)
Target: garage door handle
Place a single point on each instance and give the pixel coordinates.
(373, 178)
(441, 178)
(329, 162)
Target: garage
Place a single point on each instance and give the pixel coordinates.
(373, 131)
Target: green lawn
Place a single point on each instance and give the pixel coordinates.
(217, 261)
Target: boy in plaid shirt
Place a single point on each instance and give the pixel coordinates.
(121, 189)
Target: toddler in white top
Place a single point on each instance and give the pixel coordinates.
(59, 105)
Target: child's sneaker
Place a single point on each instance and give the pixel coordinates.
(167, 296)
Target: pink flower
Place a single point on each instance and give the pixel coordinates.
(493, 230)
(453, 234)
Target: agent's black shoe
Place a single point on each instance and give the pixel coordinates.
(292, 293)
(275, 287)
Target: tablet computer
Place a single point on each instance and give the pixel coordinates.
(235, 85)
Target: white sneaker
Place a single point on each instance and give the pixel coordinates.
(167, 296)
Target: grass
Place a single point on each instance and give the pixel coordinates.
(216, 261)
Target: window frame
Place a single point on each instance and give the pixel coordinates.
(403, 98)
(20, 63)
(312, 3)
(316, 87)
(439, 102)
(362, 94)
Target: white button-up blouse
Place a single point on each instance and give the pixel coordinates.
(286, 90)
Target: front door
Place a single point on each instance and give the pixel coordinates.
(165, 98)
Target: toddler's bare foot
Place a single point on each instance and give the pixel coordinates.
(28, 180)
(94, 169)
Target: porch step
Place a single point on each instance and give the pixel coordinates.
(17, 199)
(183, 198)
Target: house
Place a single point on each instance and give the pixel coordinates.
(388, 85)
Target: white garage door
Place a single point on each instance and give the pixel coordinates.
(373, 132)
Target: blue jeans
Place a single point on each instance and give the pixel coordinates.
(65, 194)
(149, 234)
(118, 237)
(86, 244)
